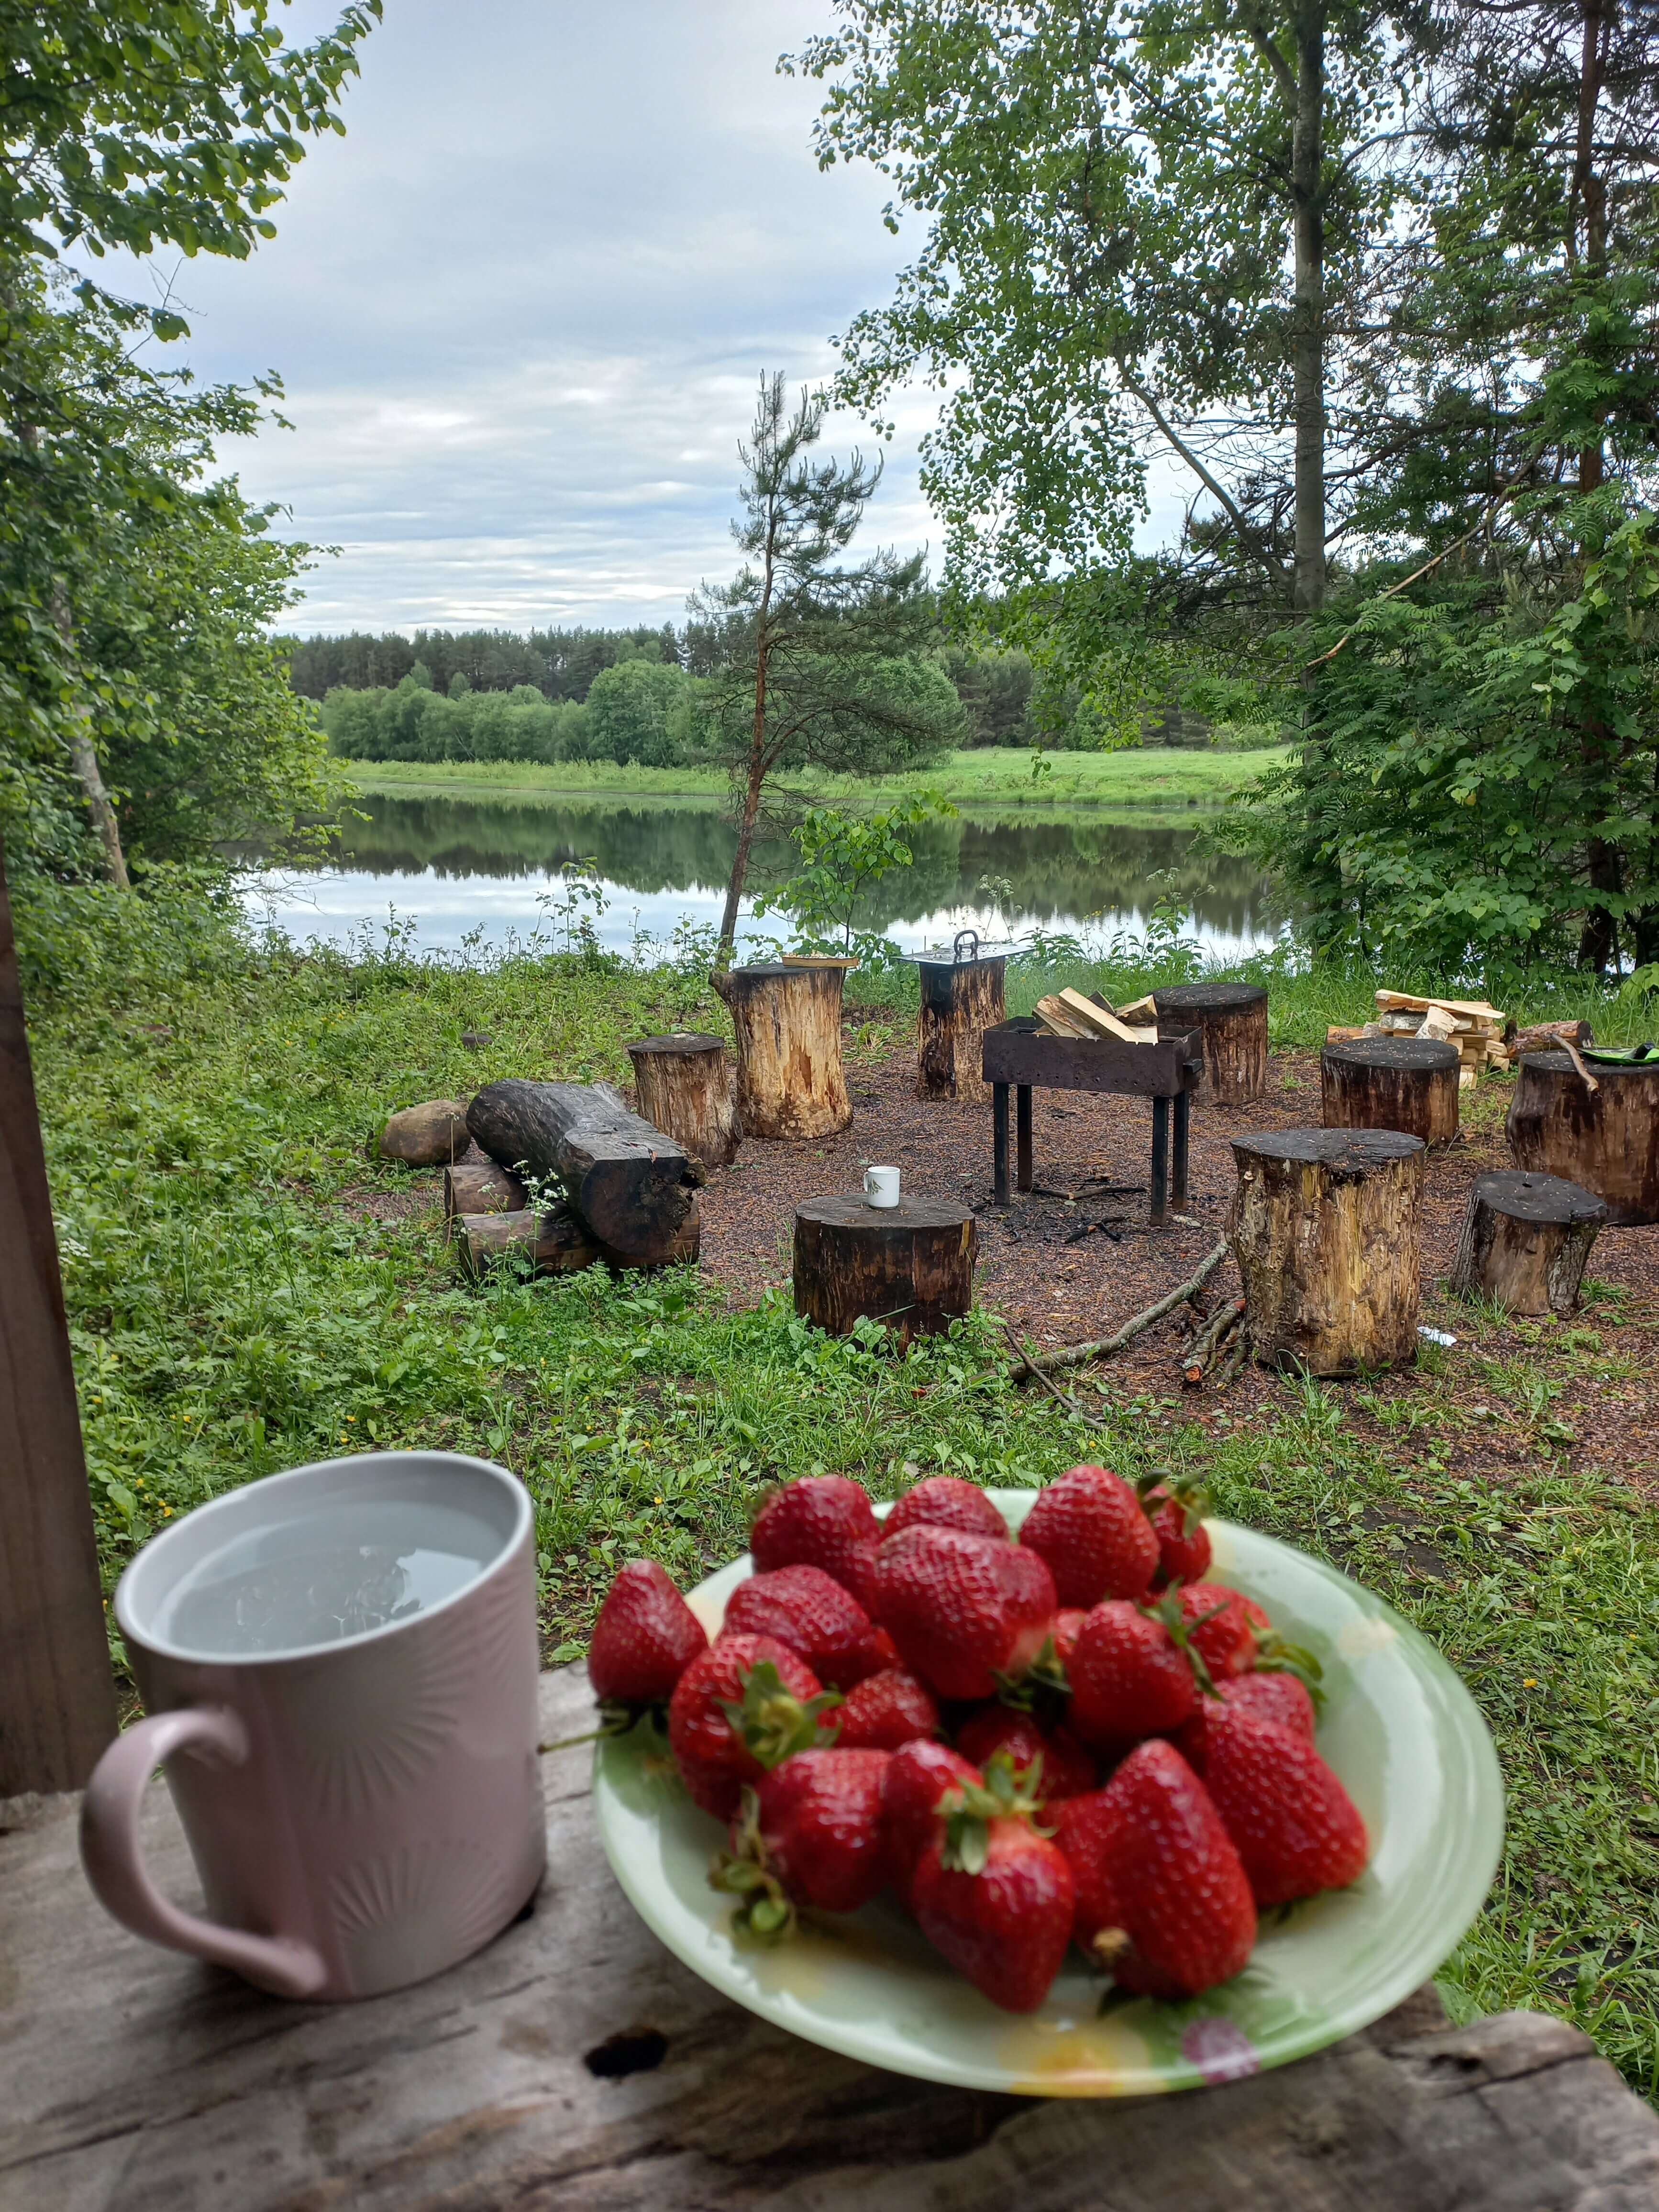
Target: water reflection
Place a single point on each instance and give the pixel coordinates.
(459, 865)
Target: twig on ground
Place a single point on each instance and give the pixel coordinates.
(1074, 1355)
(1228, 1368)
(1052, 1387)
(1202, 1351)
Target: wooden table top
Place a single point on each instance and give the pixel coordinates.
(575, 2063)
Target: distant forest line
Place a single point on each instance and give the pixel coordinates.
(1004, 702)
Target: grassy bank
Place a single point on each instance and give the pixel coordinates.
(248, 1291)
(987, 776)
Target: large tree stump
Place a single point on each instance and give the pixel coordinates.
(1525, 1241)
(786, 1016)
(632, 1186)
(1404, 1083)
(910, 1264)
(960, 1001)
(1233, 1018)
(553, 1241)
(684, 1089)
(481, 1187)
(1607, 1139)
(1324, 1227)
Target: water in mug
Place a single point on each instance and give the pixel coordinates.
(339, 1571)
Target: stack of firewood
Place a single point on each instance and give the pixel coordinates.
(1484, 1036)
(1069, 1014)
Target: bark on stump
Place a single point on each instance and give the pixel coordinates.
(959, 1002)
(1325, 1228)
(1404, 1083)
(426, 1135)
(1606, 1139)
(786, 1017)
(1234, 1019)
(554, 1241)
(481, 1187)
(631, 1185)
(684, 1089)
(1525, 1241)
(910, 1264)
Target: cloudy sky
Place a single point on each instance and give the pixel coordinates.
(521, 307)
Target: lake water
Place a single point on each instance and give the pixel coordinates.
(462, 870)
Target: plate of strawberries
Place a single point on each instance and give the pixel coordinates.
(1065, 1792)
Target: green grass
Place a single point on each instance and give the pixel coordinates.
(988, 775)
(247, 1291)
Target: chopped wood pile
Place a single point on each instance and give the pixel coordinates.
(1484, 1036)
(1069, 1014)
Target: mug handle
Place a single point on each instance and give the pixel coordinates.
(869, 1187)
(114, 1863)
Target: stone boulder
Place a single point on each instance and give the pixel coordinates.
(431, 1135)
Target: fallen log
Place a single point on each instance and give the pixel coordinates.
(553, 1241)
(632, 1186)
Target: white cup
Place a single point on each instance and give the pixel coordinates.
(881, 1186)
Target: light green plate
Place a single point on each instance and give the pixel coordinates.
(1398, 1727)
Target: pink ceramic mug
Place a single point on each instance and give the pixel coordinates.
(339, 1665)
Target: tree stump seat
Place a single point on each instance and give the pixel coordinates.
(1403, 1083)
(787, 1018)
(1525, 1241)
(1233, 1020)
(1325, 1227)
(1606, 1139)
(684, 1086)
(910, 1266)
(960, 1001)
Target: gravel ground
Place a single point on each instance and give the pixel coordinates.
(1055, 1291)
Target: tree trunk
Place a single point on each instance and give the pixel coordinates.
(1525, 1241)
(684, 1088)
(83, 758)
(1606, 1139)
(910, 1266)
(787, 1021)
(481, 1187)
(631, 1185)
(1325, 1228)
(959, 1002)
(1233, 1018)
(553, 1241)
(751, 797)
(1308, 191)
(1403, 1083)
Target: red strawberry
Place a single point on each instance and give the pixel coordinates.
(1130, 1677)
(945, 1501)
(1162, 1898)
(820, 1521)
(919, 1778)
(1183, 1543)
(993, 1896)
(810, 1611)
(963, 1609)
(1067, 1621)
(644, 1639)
(810, 1832)
(1275, 1697)
(1089, 1527)
(886, 1711)
(1225, 1642)
(1294, 1825)
(744, 1706)
(1067, 1769)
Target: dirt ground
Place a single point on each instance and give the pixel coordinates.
(1056, 1287)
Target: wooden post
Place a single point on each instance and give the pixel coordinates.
(1525, 1241)
(960, 1001)
(1159, 1210)
(1607, 1139)
(1233, 1018)
(1325, 1229)
(999, 1141)
(1183, 1115)
(684, 1086)
(787, 1018)
(57, 1697)
(1404, 1083)
(1023, 1135)
(910, 1264)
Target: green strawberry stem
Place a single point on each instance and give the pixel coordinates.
(773, 1724)
(1273, 1656)
(1007, 1793)
(1168, 1610)
(765, 1913)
